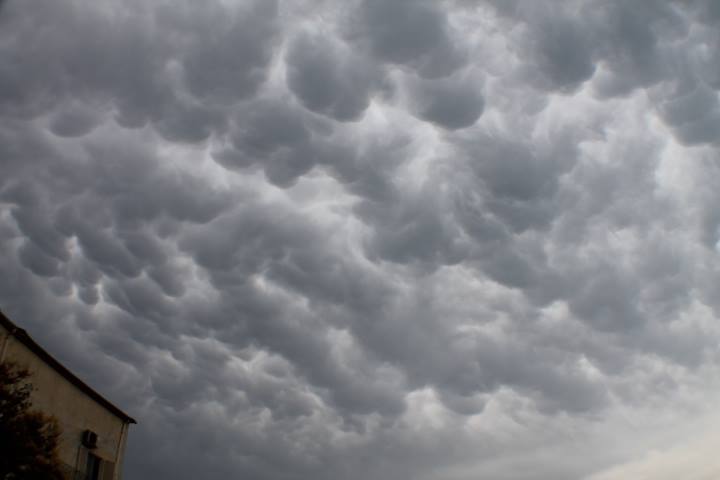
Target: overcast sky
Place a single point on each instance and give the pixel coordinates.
(373, 239)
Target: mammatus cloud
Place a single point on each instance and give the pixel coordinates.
(372, 239)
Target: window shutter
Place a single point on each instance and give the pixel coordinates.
(108, 470)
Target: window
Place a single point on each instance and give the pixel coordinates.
(92, 470)
(98, 469)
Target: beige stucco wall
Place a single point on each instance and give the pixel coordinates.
(74, 410)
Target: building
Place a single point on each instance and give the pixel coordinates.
(94, 431)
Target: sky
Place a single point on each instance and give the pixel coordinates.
(373, 239)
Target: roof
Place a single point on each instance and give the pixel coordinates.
(23, 337)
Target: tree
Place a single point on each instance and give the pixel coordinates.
(28, 438)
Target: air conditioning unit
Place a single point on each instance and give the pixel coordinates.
(89, 439)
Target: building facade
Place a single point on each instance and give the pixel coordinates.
(94, 431)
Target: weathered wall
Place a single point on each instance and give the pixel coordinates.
(74, 410)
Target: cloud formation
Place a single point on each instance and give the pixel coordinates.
(370, 239)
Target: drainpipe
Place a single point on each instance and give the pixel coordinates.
(6, 340)
(78, 473)
(120, 451)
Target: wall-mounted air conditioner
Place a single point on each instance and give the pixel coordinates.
(89, 439)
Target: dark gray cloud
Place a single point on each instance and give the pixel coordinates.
(228, 58)
(329, 78)
(452, 103)
(415, 34)
(74, 121)
(388, 239)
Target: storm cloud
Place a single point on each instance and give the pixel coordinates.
(399, 239)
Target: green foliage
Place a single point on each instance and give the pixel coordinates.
(28, 438)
